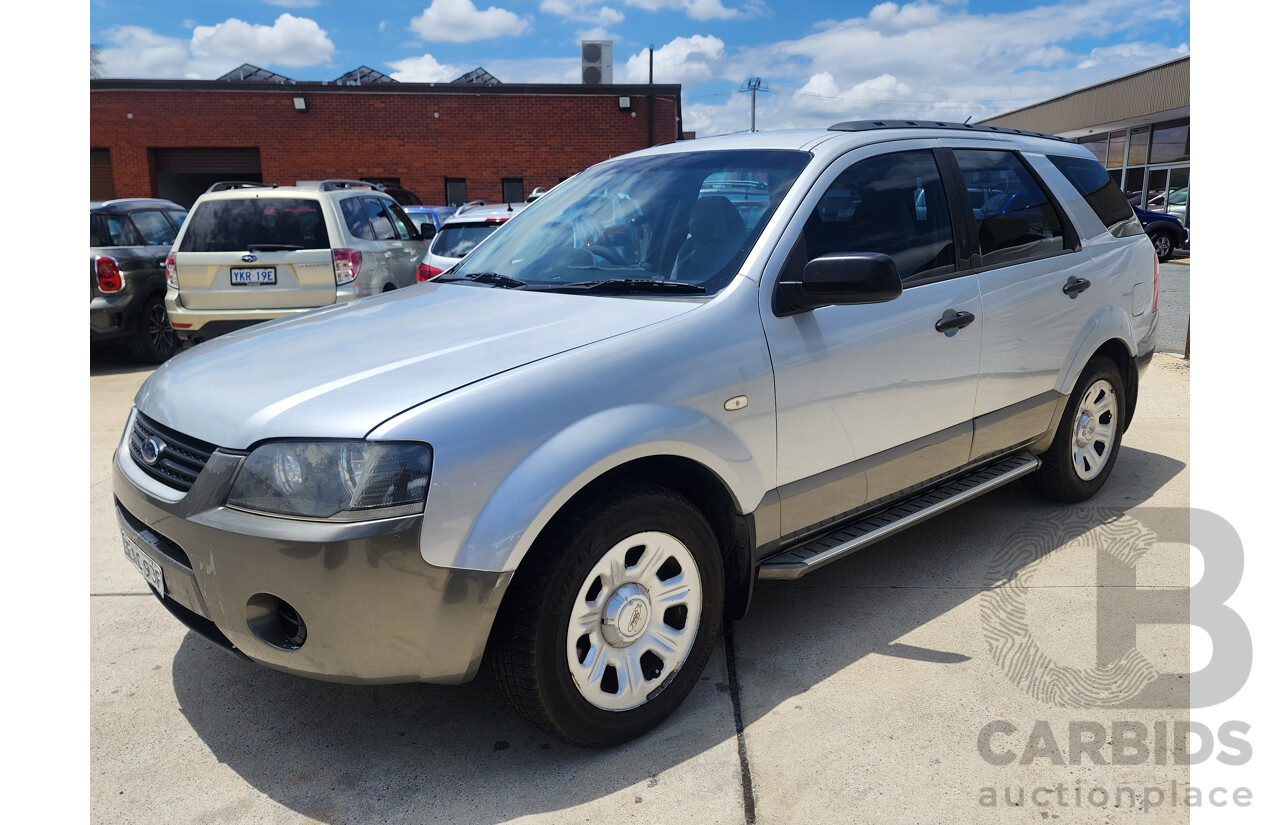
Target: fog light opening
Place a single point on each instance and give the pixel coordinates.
(275, 622)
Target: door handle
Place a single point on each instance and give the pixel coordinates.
(958, 321)
(1075, 286)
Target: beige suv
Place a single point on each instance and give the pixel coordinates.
(251, 252)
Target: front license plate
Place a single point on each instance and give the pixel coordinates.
(252, 275)
(148, 568)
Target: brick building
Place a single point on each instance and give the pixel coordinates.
(446, 142)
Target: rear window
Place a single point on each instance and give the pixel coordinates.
(457, 240)
(235, 225)
(1102, 194)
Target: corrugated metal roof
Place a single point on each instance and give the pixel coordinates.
(1158, 89)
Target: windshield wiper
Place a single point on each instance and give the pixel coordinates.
(491, 278)
(273, 247)
(630, 286)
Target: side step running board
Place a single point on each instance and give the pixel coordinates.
(806, 558)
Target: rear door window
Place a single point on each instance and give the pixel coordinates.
(1016, 221)
(379, 219)
(154, 227)
(1102, 194)
(111, 230)
(399, 220)
(235, 225)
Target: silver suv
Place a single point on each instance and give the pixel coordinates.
(573, 455)
(252, 252)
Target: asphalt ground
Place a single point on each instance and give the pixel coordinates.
(891, 686)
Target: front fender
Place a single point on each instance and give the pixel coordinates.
(564, 464)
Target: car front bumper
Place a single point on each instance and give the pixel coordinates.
(374, 610)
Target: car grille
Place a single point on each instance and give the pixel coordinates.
(180, 461)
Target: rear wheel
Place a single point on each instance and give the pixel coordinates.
(154, 341)
(1163, 242)
(614, 617)
(1085, 447)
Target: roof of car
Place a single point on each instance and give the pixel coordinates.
(236, 190)
(848, 134)
(122, 204)
(487, 212)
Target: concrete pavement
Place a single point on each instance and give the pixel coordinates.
(859, 693)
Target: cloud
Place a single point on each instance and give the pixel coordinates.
(686, 60)
(583, 11)
(459, 21)
(293, 4)
(290, 41)
(935, 60)
(704, 9)
(597, 33)
(139, 52)
(424, 69)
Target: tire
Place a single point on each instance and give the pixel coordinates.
(608, 560)
(1164, 243)
(1085, 447)
(154, 342)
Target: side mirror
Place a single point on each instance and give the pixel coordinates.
(427, 232)
(839, 279)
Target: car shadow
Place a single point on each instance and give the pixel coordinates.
(339, 753)
(106, 359)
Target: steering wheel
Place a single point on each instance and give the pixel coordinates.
(607, 254)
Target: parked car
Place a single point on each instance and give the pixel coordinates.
(128, 241)
(253, 252)
(574, 468)
(462, 232)
(402, 196)
(429, 219)
(1166, 232)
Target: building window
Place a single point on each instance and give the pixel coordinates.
(1098, 145)
(1138, 141)
(455, 191)
(1115, 150)
(1171, 142)
(513, 190)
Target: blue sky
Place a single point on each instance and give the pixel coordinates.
(822, 60)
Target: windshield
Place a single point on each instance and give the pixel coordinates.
(685, 221)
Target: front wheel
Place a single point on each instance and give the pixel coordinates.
(612, 618)
(1085, 447)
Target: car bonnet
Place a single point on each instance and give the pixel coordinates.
(339, 372)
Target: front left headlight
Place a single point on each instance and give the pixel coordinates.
(334, 480)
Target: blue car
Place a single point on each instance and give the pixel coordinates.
(1166, 232)
(429, 218)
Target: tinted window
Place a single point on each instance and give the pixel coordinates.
(235, 225)
(154, 228)
(357, 220)
(1016, 221)
(111, 230)
(893, 204)
(457, 240)
(1101, 193)
(379, 219)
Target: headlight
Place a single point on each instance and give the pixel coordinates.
(337, 480)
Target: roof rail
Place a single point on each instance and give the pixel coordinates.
(536, 193)
(339, 183)
(469, 205)
(872, 125)
(224, 185)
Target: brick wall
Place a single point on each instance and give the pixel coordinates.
(483, 138)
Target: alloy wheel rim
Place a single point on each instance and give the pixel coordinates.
(1093, 436)
(1162, 246)
(162, 335)
(634, 621)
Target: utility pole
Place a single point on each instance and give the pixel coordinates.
(754, 84)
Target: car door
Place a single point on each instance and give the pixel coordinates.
(1034, 279)
(411, 250)
(873, 399)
